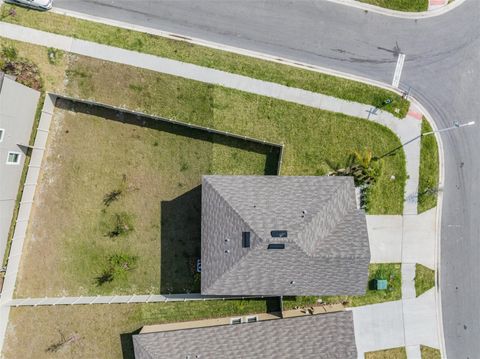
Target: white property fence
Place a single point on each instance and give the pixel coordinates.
(116, 299)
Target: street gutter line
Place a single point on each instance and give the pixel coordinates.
(223, 47)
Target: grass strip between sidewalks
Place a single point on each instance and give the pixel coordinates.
(207, 57)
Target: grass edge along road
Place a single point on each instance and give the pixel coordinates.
(400, 5)
(429, 170)
(208, 57)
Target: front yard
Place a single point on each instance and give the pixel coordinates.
(389, 271)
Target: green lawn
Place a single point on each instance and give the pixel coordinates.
(430, 353)
(429, 172)
(313, 138)
(389, 271)
(394, 353)
(104, 331)
(129, 198)
(424, 279)
(208, 57)
(401, 5)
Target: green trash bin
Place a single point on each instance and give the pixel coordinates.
(380, 284)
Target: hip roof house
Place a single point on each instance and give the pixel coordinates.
(275, 236)
(314, 336)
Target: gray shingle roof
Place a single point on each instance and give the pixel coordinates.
(326, 336)
(326, 250)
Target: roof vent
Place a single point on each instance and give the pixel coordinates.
(292, 282)
(276, 246)
(227, 251)
(279, 234)
(246, 239)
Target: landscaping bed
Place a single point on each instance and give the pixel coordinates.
(208, 57)
(394, 353)
(388, 271)
(424, 279)
(429, 170)
(400, 5)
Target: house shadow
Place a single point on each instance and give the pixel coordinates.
(180, 243)
(127, 344)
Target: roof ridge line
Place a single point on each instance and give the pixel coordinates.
(337, 189)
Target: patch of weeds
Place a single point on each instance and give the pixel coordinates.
(155, 144)
(26, 72)
(54, 55)
(136, 88)
(184, 166)
(119, 224)
(9, 53)
(7, 12)
(117, 265)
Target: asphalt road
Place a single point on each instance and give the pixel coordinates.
(442, 68)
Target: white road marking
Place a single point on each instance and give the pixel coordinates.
(398, 70)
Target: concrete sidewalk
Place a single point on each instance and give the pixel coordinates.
(403, 239)
(405, 129)
(412, 321)
(403, 323)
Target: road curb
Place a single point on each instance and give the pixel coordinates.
(400, 14)
(218, 46)
(441, 162)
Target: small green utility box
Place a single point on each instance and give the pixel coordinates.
(380, 284)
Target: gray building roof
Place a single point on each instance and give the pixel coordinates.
(324, 336)
(326, 250)
(18, 105)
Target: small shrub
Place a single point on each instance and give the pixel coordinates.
(184, 166)
(111, 197)
(57, 346)
(120, 225)
(54, 55)
(9, 53)
(117, 265)
(107, 276)
(122, 262)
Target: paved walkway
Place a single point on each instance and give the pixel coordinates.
(405, 129)
(410, 322)
(403, 239)
(403, 323)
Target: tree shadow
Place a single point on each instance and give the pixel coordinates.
(127, 344)
(180, 243)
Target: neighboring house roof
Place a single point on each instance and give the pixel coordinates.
(326, 249)
(315, 336)
(18, 105)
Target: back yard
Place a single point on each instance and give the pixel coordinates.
(118, 208)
